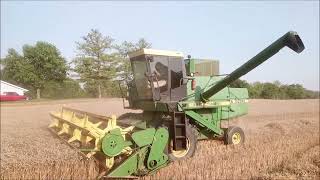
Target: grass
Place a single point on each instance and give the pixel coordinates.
(54, 170)
(278, 146)
(267, 155)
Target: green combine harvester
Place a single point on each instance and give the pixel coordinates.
(180, 106)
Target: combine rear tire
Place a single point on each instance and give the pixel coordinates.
(191, 146)
(234, 135)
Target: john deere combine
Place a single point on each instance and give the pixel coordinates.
(180, 106)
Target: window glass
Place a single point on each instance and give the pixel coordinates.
(176, 66)
(176, 77)
(159, 67)
(142, 84)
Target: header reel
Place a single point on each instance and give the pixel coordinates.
(120, 151)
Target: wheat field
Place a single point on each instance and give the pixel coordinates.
(282, 142)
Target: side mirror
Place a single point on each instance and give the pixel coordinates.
(149, 58)
(185, 80)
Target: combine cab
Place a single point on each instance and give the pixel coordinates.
(180, 106)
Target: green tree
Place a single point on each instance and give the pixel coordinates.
(269, 91)
(240, 84)
(69, 88)
(312, 94)
(127, 47)
(38, 65)
(283, 92)
(255, 90)
(15, 68)
(295, 91)
(275, 90)
(95, 62)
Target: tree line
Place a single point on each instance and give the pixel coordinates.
(99, 61)
(44, 72)
(275, 90)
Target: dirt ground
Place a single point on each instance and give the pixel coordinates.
(282, 141)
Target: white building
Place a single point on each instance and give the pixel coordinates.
(7, 87)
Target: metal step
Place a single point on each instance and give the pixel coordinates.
(180, 137)
(179, 131)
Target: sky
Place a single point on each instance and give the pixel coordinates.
(231, 32)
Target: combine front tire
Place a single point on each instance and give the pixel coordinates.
(234, 135)
(191, 146)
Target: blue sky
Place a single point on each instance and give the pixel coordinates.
(232, 32)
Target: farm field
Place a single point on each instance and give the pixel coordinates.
(282, 142)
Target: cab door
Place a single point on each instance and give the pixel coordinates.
(160, 77)
(178, 89)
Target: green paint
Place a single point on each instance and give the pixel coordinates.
(190, 66)
(157, 157)
(141, 124)
(206, 122)
(130, 165)
(148, 157)
(144, 137)
(235, 110)
(205, 82)
(113, 143)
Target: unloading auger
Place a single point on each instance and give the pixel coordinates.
(183, 101)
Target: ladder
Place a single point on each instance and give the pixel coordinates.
(179, 133)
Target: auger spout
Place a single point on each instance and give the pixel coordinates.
(291, 39)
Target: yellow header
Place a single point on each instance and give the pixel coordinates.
(155, 52)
